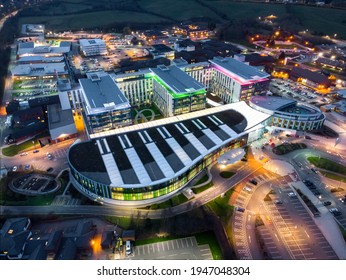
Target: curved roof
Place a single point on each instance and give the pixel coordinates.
(272, 103)
(155, 152)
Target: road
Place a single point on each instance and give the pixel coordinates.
(3, 20)
(220, 186)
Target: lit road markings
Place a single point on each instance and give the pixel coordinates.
(307, 234)
(249, 239)
(277, 237)
(249, 218)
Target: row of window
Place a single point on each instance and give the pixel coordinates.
(154, 191)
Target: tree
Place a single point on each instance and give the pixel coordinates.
(127, 30)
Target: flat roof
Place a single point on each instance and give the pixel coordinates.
(102, 92)
(157, 151)
(91, 42)
(242, 71)
(176, 79)
(40, 69)
(60, 121)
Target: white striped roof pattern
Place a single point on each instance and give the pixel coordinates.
(252, 116)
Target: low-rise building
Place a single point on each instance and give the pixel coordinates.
(60, 119)
(309, 78)
(14, 235)
(288, 113)
(91, 47)
(161, 50)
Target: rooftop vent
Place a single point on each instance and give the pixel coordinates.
(163, 67)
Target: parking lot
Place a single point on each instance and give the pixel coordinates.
(290, 89)
(33, 184)
(177, 249)
(340, 206)
(239, 222)
(296, 229)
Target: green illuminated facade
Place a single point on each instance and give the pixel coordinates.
(172, 103)
(102, 191)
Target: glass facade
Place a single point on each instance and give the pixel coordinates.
(109, 120)
(153, 191)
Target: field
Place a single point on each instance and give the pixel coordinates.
(77, 14)
(90, 20)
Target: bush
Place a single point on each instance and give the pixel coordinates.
(226, 174)
(287, 148)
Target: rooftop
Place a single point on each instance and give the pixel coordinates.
(286, 105)
(60, 121)
(91, 42)
(238, 70)
(176, 79)
(102, 92)
(151, 153)
(272, 103)
(315, 77)
(39, 69)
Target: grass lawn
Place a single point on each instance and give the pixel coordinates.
(226, 174)
(203, 188)
(174, 201)
(13, 150)
(7, 197)
(221, 207)
(90, 20)
(286, 148)
(202, 180)
(327, 164)
(343, 232)
(209, 238)
(123, 222)
(292, 46)
(333, 176)
(178, 9)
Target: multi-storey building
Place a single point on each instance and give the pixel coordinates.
(235, 81)
(104, 106)
(137, 87)
(90, 47)
(175, 92)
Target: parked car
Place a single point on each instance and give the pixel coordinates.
(252, 181)
(327, 203)
(247, 189)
